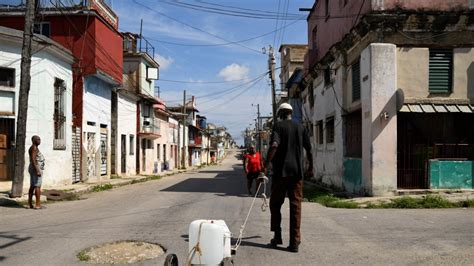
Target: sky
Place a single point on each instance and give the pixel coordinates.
(193, 50)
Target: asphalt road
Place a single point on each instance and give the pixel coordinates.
(160, 212)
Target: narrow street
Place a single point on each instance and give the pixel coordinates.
(160, 212)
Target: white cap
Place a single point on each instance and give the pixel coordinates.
(285, 106)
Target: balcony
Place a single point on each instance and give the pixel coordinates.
(136, 44)
(102, 7)
(150, 128)
(195, 142)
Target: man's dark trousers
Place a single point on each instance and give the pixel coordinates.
(292, 187)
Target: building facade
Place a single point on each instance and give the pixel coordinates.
(389, 98)
(89, 30)
(49, 105)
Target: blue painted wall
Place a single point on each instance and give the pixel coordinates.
(352, 177)
(451, 174)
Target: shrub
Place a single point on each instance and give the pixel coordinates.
(102, 187)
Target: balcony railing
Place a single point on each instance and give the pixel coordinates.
(150, 126)
(103, 7)
(55, 3)
(137, 44)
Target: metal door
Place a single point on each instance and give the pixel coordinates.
(103, 153)
(76, 154)
(123, 154)
(90, 154)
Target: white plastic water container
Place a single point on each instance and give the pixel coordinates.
(214, 241)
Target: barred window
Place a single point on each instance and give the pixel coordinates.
(59, 115)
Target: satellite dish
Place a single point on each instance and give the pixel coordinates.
(400, 99)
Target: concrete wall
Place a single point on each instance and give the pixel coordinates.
(379, 123)
(413, 74)
(45, 67)
(147, 86)
(97, 109)
(441, 5)
(328, 157)
(331, 31)
(451, 174)
(126, 125)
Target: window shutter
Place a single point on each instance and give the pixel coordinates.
(356, 81)
(440, 70)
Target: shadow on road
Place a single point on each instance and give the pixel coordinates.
(11, 240)
(225, 183)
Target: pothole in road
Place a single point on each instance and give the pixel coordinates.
(122, 252)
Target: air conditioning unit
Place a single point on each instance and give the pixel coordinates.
(147, 124)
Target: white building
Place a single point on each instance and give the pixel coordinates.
(49, 105)
(124, 118)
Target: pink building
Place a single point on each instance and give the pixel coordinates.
(389, 94)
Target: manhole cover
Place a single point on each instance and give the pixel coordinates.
(122, 252)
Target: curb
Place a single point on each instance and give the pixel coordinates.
(86, 188)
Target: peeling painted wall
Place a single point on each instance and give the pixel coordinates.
(451, 174)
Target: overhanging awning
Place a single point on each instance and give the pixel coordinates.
(437, 108)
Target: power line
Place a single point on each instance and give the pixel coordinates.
(193, 27)
(227, 12)
(240, 8)
(227, 43)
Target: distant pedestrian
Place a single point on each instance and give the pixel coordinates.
(287, 160)
(35, 170)
(253, 166)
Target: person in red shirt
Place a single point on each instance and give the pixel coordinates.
(253, 166)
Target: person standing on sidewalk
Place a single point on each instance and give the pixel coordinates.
(253, 166)
(287, 160)
(35, 169)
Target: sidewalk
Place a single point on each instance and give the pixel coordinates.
(82, 187)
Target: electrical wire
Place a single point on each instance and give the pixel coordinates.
(227, 43)
(220, 11)
(193, 27)
(240, 8)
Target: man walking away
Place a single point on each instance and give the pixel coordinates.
(286, 156)
(253, 165)
(35, 170)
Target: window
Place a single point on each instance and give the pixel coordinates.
(327, 76)
(164, 152)
(320, 132)
(356, 81)
(311, 95)
(7, 77)
(314, 37)
(353, 132)
(158, 151)
(440, 70)
(327, 8)
(43, 28)
(132, 144)
(59, 115)
(150, 144)
(330, 130)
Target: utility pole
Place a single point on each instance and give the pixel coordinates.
(184, 130)
(271, 71)
(25, 82)
(259, 129)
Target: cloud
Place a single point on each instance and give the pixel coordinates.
(234, 72)
(164, 61)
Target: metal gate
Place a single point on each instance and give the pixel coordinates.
(422, 137)
(91, 154)
(76, 154)
(123, 154)
(103, 153)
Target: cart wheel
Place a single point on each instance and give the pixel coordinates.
(171, 260)
(229, 261)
